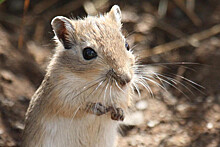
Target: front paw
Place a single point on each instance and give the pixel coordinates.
(117, 114)
(97, 109)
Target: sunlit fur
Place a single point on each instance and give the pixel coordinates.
(57, 113)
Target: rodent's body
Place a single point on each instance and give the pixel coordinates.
(58, 114)
(70, 126)
(86, 131)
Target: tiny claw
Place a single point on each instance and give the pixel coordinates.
(117, 114)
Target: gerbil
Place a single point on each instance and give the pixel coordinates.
(87, 86)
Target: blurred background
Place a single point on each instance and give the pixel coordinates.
(179, 39)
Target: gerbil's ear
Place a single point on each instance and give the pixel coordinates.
(63, 29)
(115, 14)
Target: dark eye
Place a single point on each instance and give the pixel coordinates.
(89, 53)
(127, 46)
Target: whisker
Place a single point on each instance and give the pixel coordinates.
(107, 84)
(188, 80)
(101, 94)
(178, 82)
(116, 83)
(100, 83)
(189, 83)
(165, 65)
(169, 83)
(157, 77)
(137, 89)
(110, 94)
(85, 89)
(129, 34)
(147, 87)
(154, 82)
(90, 94)
(131, 49)
(169, 68)
(75, 114)
(174, 63)
(58, 111)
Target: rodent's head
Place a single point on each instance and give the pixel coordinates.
(94, 48)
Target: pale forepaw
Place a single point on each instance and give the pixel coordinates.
(97, 109)
(117, 114)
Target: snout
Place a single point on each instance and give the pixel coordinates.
(122, 79)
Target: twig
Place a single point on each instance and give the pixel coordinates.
(194, 39)
(195, 19)
(169, 28)
(21, 36)
(190, 5)
(162, 8)
(173, 31)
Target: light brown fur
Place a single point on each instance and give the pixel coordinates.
(56, 105)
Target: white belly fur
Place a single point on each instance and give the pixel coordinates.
(88, 131)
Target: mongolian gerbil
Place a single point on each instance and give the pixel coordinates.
(87, 86)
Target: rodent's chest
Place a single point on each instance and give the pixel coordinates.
(89, 127)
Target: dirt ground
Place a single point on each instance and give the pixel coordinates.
(180, 39)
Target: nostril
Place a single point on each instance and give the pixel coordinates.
(124, 80)
(127, 79)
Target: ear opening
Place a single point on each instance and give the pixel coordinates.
(63, 28)
(115, 14)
